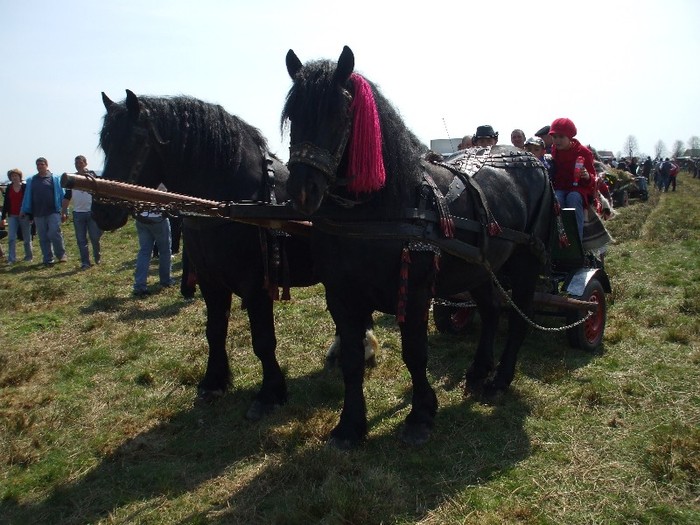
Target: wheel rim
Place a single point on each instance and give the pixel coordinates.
(594, 325)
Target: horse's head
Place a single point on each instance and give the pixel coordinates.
(130, 140)
(335, 136)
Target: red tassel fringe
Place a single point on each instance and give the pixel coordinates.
(366, 164)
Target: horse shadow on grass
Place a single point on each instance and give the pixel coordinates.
(286, 458)
(544, 356)
(384, 481)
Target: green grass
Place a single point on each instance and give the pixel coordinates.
(98, 422)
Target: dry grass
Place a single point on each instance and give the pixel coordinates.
(98, 425)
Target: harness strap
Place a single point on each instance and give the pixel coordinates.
(447, 225)
(492, 226)
(413, 232)
(269, 181)
(274, 253)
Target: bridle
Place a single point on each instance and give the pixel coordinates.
(322, 159)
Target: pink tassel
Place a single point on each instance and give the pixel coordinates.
(366, 164)
(448, 227)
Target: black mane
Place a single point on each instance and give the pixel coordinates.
(314, 93)
(199, 133)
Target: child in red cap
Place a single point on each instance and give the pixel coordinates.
(574, 188)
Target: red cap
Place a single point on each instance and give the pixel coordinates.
(563, 126)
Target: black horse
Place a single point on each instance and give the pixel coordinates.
(198, 149)
(351, 149)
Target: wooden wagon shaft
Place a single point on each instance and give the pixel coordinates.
(278, 217)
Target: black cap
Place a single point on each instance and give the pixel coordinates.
(484, 131)
(542, 131)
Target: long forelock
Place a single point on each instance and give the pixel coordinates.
(313, 91)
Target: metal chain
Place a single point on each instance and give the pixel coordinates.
(533, 324)
(181, 208)
(444, 302)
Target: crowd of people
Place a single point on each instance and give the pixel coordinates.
(568, 162)
(39, 206)
(576, 173)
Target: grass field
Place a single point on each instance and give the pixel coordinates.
(98, 422)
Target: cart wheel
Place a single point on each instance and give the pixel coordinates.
(452, 320)
(588, 336)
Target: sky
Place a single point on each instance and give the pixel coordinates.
(616, 68)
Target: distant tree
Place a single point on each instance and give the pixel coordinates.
(631, 147)
(694, 142)
(659, 149)
(678, 148)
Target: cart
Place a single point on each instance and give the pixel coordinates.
(574, 288)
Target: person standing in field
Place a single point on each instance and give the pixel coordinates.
(45, 203)
(18, 227)
(83, 223)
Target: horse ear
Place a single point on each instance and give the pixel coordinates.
(293, 63)
(346, 65)
(109, 104)
(132, 104)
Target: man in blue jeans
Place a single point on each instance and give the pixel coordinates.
(85, 226)
(152, 228)
(44, 202)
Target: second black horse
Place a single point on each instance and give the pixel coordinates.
(198, 149)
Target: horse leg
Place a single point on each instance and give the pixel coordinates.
(523, 283)
(273, 391)
(486, 299)
(217, 378)
(414, 350)
(352, 427)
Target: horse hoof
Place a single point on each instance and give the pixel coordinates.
(416, 435)
(492, 393)
(258, 410)
(209, 396)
